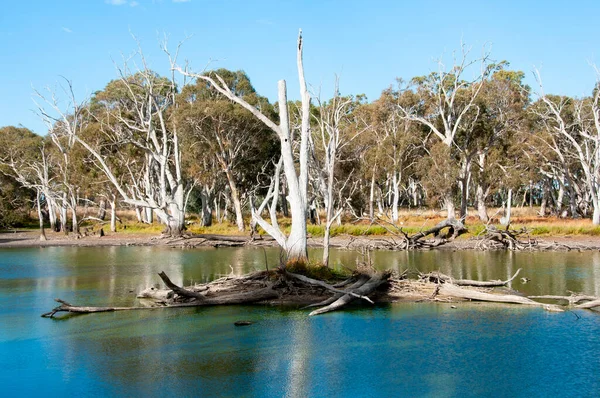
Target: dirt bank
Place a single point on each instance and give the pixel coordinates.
(31, 239)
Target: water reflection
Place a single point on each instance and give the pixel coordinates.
(408, 349)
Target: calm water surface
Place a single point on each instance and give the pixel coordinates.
(391, 350)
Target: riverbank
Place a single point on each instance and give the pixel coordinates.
(30, 238)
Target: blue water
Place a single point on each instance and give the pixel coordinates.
(391, 350)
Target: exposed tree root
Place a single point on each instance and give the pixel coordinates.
(516, 240)
(507, 238)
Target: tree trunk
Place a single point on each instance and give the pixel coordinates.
(544, 202)
(465, 180)
(372, 197)
(41, 217)
(138, 214)
(235, 198)
(284, 202)
(481, 207)
(559, 200)
(74, 221)
(102, 209)
(505, 220)
(218, 208)
(449, 204)
(596, 215)
(176, 218)
(395, 197)
(206, 208)
(326, 237)
(113, 214)
(149, 215)
(295, 244)
(51, 211)
(63, 215)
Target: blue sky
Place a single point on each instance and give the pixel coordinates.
(367, 43)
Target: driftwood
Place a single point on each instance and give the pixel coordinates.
(365, 289)
(280, 286)
(590, 304)
(572, 299)
(195, 299)
(361, 280)
(507, 238)
(316, 282)
(437, 277)
(443, 232)
(517, 240)
(459, 292)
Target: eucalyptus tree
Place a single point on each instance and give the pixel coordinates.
(64, 127)
(447, 107)
(398, 141)
(24, 158)
(501, 103)
(137, 111)
(574, 128)
(227, 132)
(15, 202)
(337, 127)
(295, 244)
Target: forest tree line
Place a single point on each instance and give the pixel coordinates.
(469, 135)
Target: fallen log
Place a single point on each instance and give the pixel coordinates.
(198, 300)
(454, 291)
(362, 279)
(573, 299)
(443, 232)
(436, 277)
(316, 282)
(589, 305)
(365, 289)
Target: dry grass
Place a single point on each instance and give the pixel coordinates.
(411, 222)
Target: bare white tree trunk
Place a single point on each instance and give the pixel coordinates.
(295, 244)
(235, 198)
(113, 214)
(74, 219)
(481, 207)
(205, 198)
(51, 210)
(449, 204)
(395, 196)
(505, 220)
(63, 214)
(372, 197)
(138, 214)
(40, 216)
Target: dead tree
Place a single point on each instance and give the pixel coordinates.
(295, 244)
(442, 233)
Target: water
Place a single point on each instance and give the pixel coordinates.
(390, 350)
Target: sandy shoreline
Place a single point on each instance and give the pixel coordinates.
(31, 239)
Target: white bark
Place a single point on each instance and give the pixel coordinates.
(295, 243)
(40, 216)
(582, 138)
(113, 214)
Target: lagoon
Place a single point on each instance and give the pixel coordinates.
(408, 349)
